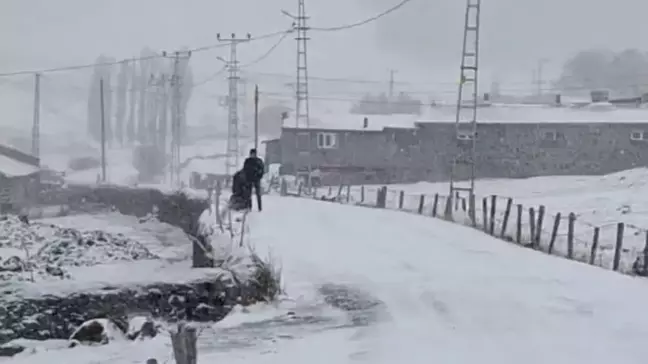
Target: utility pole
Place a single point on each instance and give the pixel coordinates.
(302, 108)
(539, 76)
(103, 130)
(256, 117)
(233, 153)
(463, 163)
(391, 83)
(35, 147)
(176, 116)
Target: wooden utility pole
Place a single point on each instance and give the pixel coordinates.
(256, 117)
(103, 131)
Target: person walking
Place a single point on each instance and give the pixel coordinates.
(254, 170)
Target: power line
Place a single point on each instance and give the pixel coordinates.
(135, 59)
(269, 51)
(366, 21)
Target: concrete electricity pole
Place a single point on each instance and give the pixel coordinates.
(176, 116)
(35, 147)
(256, 117)
(233, 153)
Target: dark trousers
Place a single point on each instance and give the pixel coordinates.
(257, 191)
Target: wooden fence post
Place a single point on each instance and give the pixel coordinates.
(330, 190)
(570, 235)
(532, 221)
(362, 194)
(463, 204)
(618, 246)
(401, 199)
(471, 210)
(436, 204)
(217, 196)
(339, 192)
(485, 213)
(348, 196)
(541, 213)
(518, 230)
(595, 242)
(184, 343)
(456, 200)
(421, 204)
(507, 213)
(448, 209)
(493, 211)
(554, 232)
(299, 189)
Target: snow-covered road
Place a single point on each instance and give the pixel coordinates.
(445, 294)
(452, 294)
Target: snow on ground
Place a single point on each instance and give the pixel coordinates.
(98, 251)
(449, 294)
(601, 201)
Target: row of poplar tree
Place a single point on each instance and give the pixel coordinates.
(139, 99)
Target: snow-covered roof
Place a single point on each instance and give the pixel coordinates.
(10, 167)
(495, 114)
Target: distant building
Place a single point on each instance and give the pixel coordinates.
(19, 180)
(513, 142)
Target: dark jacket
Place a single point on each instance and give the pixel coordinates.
(241, 192)
(254, 169)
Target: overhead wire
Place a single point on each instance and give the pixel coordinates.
(363, 22)
(133, 59)
(269, 51)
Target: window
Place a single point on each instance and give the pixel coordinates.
(326, 140)
(466, 135)
(549, 135)
(637, 135)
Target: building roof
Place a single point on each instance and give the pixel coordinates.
(14, 163)
(10, 167)
(494, 114)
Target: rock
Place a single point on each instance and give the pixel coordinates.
(97, 331)
(141, 328)
(9, 350)
(152, 361)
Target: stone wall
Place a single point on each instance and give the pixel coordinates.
(51, 317)
(178, 209)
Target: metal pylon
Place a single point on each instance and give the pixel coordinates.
(462, 175)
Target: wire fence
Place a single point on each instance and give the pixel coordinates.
(618, 246)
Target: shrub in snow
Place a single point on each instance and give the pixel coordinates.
(97, 331)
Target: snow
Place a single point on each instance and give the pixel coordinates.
(92, 267)
(497, 113)
(601, 201)
(449, 294)
(10, 167)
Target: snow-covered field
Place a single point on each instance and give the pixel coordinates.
(597, 201)
(439, 292)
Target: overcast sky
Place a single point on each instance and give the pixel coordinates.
(422, 40)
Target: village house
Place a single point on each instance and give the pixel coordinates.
(512, 142)
(19, 180)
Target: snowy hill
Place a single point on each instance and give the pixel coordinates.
(409, 289)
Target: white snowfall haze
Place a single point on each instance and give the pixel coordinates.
(362, 285)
